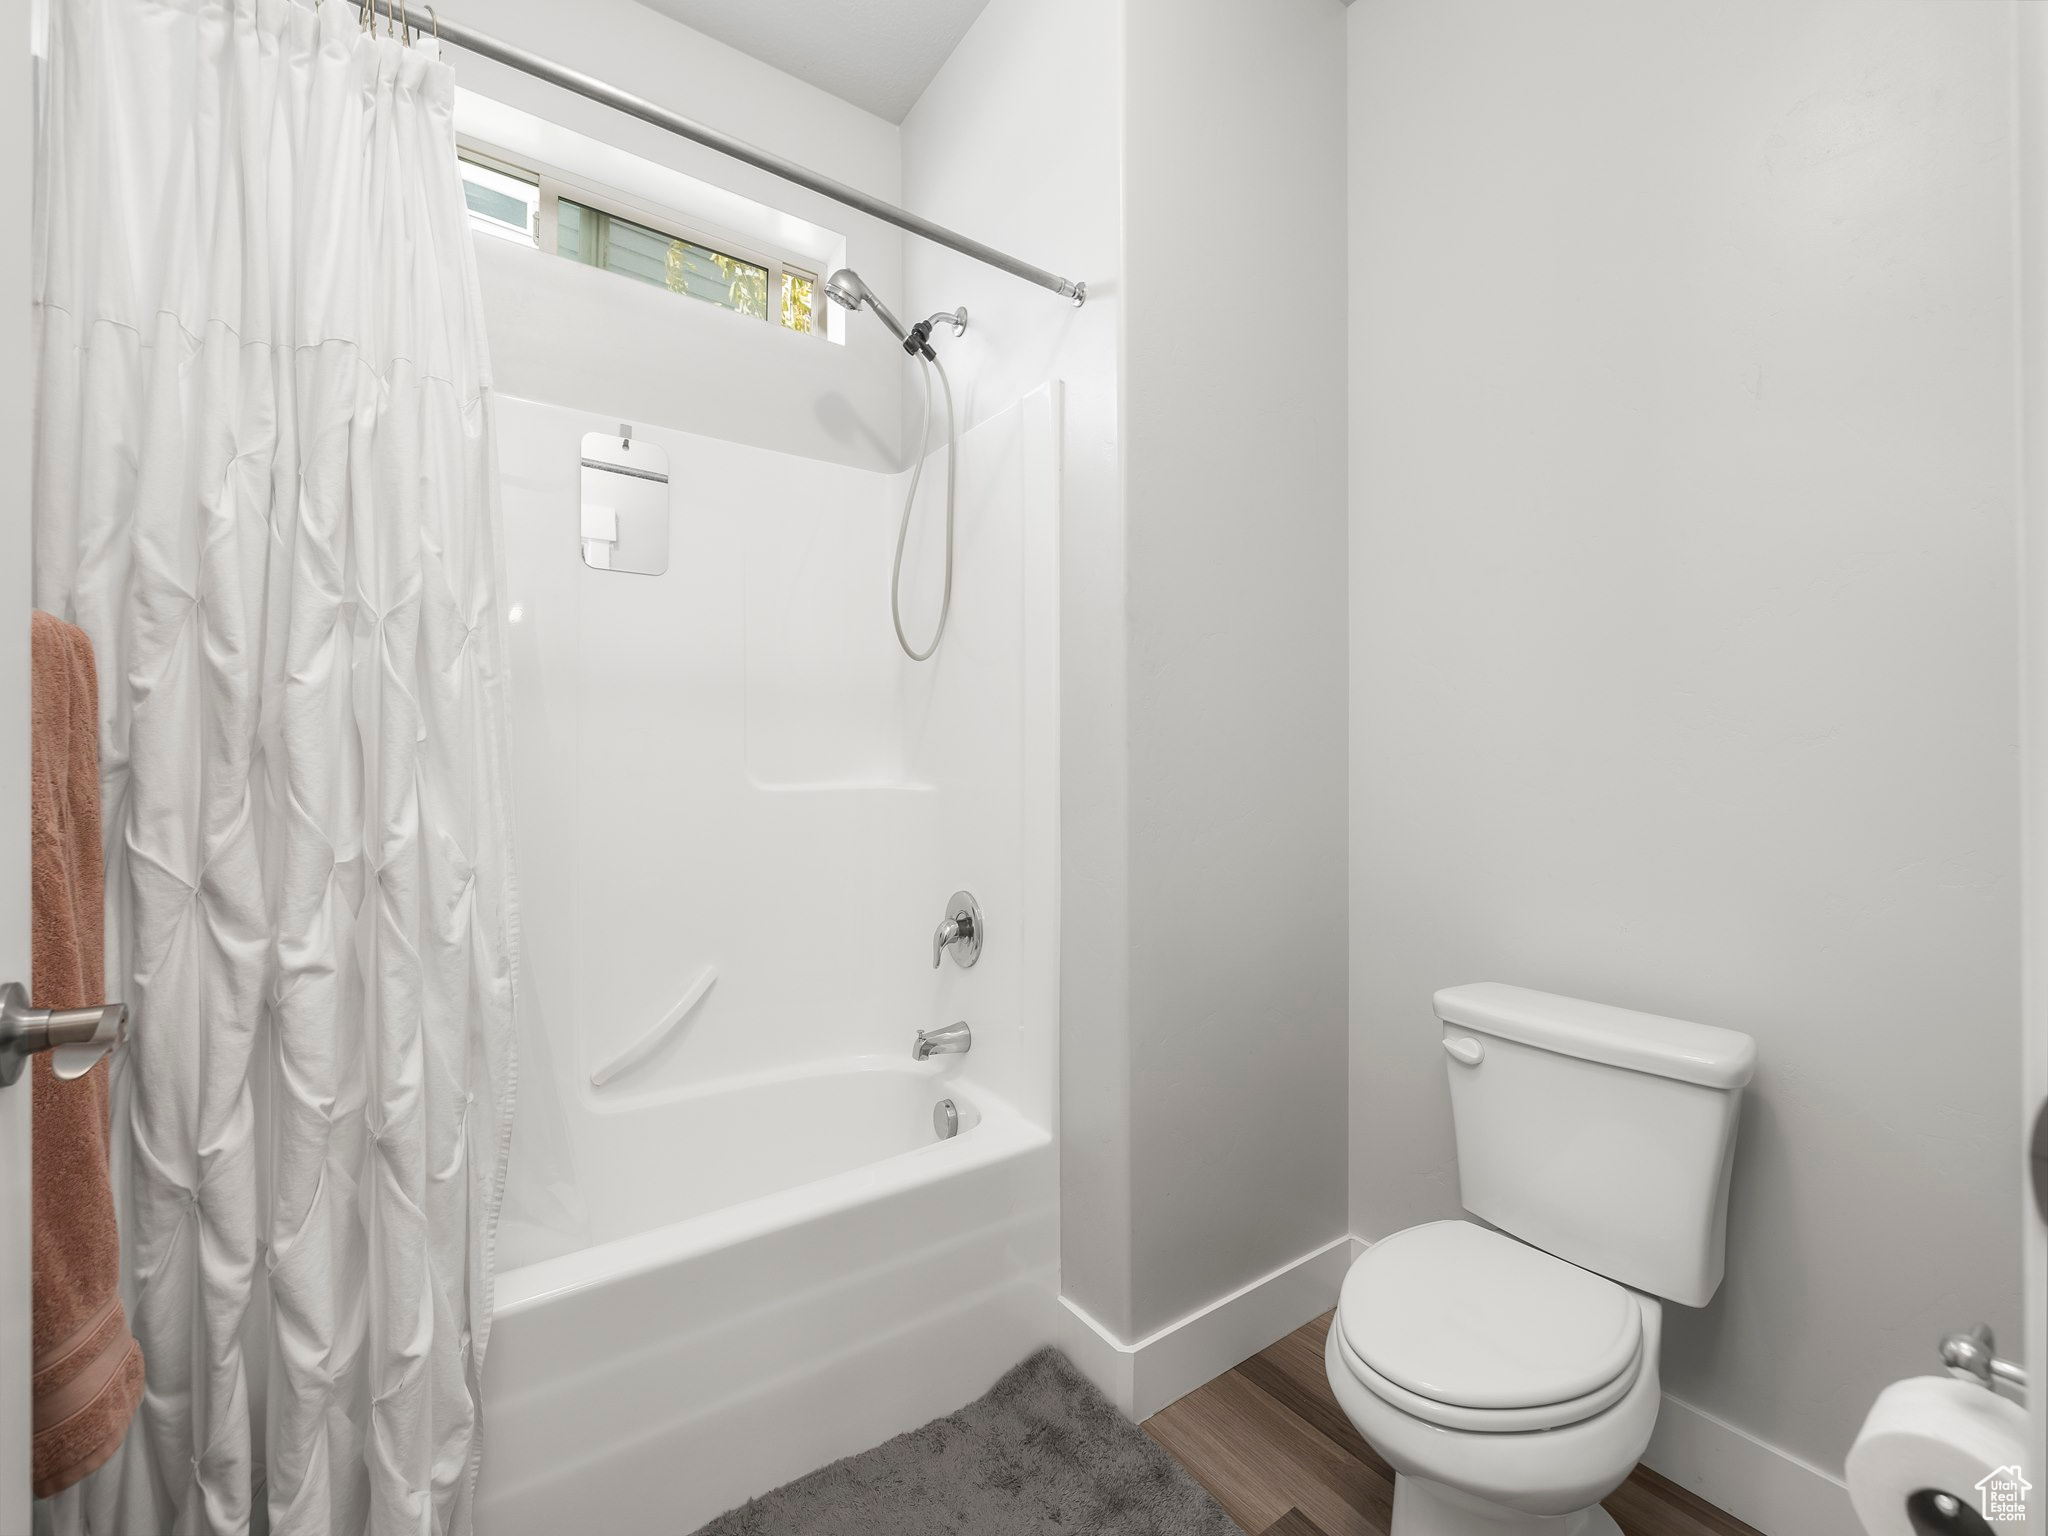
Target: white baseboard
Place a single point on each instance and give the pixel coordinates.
(1771, 1489)
(1144, 1377)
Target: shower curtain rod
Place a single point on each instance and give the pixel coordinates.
(487, 47)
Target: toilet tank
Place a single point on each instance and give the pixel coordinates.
(1598, 1134)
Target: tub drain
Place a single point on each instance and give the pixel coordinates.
(945, 1119)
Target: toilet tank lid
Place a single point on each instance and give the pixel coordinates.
(1619, 1037)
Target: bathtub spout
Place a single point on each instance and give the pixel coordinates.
(953, 1040)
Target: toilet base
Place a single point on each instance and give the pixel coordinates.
(1424, 1508)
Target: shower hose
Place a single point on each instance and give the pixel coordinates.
(924, 443)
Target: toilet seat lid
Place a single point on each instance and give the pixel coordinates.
(1467, 1316)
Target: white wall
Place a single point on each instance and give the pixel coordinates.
(1683, 622)
(1232, 413)
(1017, 142)
(1138, 146)
(629, 351)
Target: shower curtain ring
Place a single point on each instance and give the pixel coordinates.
(435, 17)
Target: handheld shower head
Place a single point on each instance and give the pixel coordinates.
(846, 289)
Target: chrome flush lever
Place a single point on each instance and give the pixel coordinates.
(76, 1037)
(960, 932)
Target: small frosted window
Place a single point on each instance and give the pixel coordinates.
(600, 239)
(534, 207)
(799, 293)
(501, 204)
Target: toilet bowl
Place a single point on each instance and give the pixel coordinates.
(1531, 1468)
(1508, 1371)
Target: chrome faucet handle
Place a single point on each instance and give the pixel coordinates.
(960, 932)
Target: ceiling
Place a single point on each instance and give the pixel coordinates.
(877, 54)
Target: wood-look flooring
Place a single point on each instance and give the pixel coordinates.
(1270, 1443)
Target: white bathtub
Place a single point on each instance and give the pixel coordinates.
(788, 1269)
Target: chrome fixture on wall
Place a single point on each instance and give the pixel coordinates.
(846, 289)
(961, 931)
(946, 1119)
(1973, 1356)
(956, 318)
(953, 1040)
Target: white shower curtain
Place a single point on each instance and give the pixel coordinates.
(265, 486)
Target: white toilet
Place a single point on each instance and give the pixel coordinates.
(1510, 1376)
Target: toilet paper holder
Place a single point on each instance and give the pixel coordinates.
(1972, 1355)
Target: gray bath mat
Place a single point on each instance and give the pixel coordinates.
(1043, 1454)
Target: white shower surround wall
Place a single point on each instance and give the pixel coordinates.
(731, 766)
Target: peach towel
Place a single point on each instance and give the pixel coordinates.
(88, 1370)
